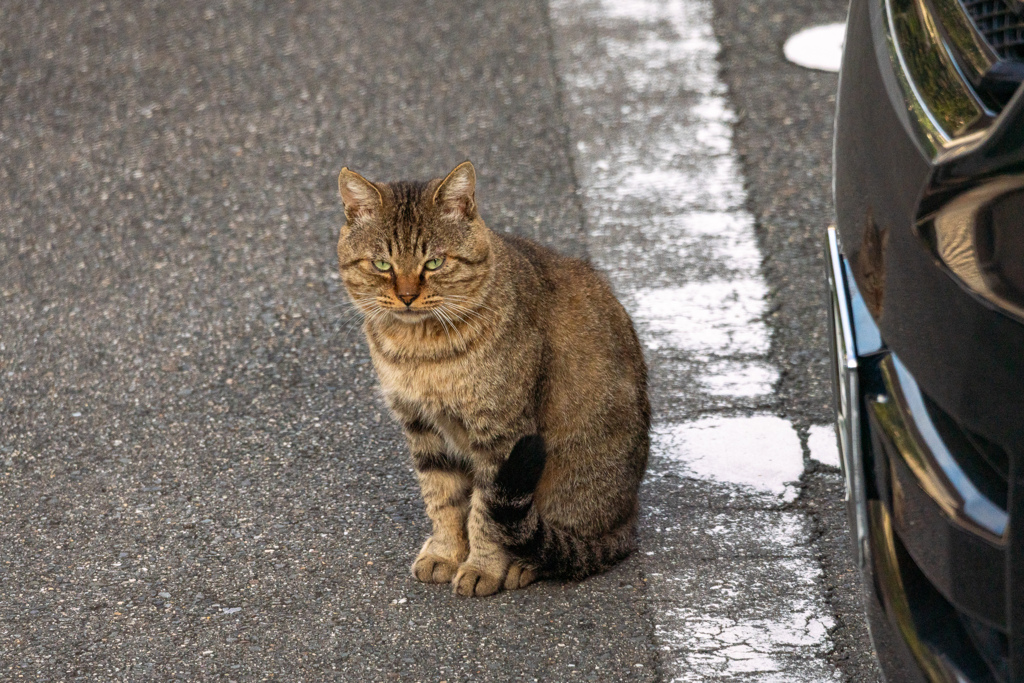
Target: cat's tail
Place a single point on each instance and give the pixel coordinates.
(553, 551)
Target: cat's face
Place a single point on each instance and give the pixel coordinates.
(409, 252)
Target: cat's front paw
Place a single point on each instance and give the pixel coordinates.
(519, 576)
(474, 581)
(430, 568)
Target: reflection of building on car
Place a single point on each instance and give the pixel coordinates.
(926, 272)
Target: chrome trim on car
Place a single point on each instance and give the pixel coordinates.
(925, 130)
(906, 422)
(944, 110)
(976, 54)
(846, 392)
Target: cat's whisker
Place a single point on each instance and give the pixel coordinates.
(378, 313)
(462, 320)
(465, 310)
(444, 327)
(454, 326)
(350, 308)
(345, 325)
(366, 305)
(470, 301)
(468, 322)
(346, 306)
(351, 316)
(462, 313)
(446, 321)
(457, 301)
(358, 306)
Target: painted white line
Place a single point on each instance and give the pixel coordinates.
(740, 379)
(719, 317)
(818, 47)
(821, 441)
(761, 452)
(734, 584)
(730, 641)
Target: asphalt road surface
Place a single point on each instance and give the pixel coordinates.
(198, 479)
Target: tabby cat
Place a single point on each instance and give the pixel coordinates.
(516, 375)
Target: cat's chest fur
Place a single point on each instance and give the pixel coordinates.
(450, 387)
(461, 396)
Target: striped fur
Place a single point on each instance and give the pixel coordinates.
(553, 550)
(518, 379)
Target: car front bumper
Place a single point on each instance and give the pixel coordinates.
(930, 545)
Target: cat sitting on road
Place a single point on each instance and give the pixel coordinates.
(516, 375)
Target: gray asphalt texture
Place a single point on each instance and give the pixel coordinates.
(197, 476)
(784, 137)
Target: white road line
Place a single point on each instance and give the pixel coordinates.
(734, 585)
(818, 47)
(718, 317)
(719, 448)
(821, 442)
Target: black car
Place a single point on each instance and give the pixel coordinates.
(926, 275)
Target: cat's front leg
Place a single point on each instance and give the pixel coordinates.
(486, 569)
(483, 572)
(445, 486)
(502, 515)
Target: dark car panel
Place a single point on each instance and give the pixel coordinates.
(880, 178)
(927, 278)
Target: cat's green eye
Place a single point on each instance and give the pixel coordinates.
(433, 264)
(382, 265)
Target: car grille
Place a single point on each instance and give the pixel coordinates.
(1002, 26)
(973, 650)
(991, 643)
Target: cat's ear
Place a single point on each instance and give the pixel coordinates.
(456, 193)
(361, 197)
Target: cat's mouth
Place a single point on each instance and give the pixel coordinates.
(410, 315)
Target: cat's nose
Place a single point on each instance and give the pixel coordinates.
(407, 299)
